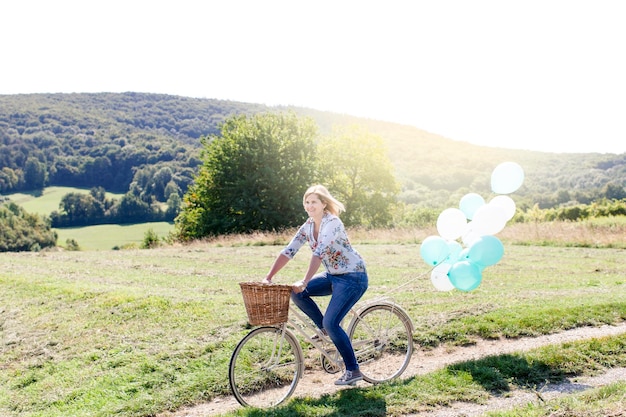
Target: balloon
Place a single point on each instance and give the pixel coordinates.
(471, 234)
(489, 220)
(470, 203)
(487, 250)
(434, 250)
(439, 277)
(455, 251)
(465, 275)
(451, 223)
(507, 178)
(506, 204)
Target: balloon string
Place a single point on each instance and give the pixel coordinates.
(420, 276)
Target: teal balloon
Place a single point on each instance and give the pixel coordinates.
(455, 251)
(434, 250)
(465, 275)
(486, 250)
(470, 203)
(463, 254)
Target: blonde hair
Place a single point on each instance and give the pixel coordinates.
(333, 205)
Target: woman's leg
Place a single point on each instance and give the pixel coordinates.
(347, 289)
(319, 285)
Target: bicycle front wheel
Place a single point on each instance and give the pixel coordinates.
(382, 338)
(265, 367)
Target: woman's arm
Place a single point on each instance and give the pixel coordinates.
(314, 265)
(280, 261)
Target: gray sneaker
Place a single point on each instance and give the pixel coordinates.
(350, 378)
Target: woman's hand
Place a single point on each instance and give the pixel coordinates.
(298, 287)
(266, 280)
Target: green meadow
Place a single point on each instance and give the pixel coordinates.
(139, 332)
(109, 236)
(48, 201)
(99, 237)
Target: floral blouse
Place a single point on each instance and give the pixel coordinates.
(332, 246)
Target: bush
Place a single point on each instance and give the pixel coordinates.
(72, 245)
(150, 240)
(21, 231)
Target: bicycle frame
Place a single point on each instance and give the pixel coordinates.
(304, 327)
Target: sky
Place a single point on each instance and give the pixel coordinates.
(542, 75)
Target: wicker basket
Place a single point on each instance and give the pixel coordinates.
(266, 304)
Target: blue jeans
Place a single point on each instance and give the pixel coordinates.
(346, 290)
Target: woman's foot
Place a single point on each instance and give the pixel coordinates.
(350, 378)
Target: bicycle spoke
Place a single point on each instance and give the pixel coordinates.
(265, 367)
(383, 341)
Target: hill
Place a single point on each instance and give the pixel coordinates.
(147, 142)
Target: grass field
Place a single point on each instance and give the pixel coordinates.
(100, 237)
(48, 201)
(137, 332)
(109, 236)
(102, 332)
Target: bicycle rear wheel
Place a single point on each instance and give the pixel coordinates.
(382, 338)
(265, 367)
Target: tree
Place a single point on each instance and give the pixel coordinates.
(131, 209)
(171, 188)
(98, 172)
(9, 179)
(355, 167)
(34, 174)
(253, 177)
(160, 181)
(614, 191)
(22, 231)
(173, 207)
(78, 209)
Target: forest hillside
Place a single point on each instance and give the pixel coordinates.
(150, 144)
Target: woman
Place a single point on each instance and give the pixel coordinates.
(345, 276)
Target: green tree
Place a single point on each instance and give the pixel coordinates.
(252, 178)
(614, 191)
(355, 167)
(10, 179)
(171, 188)
(34, 174)
(131, 209)
(173, 206)
(22, 231)
(78, 209)
(160, 181)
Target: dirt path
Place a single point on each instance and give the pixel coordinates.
(317, 383)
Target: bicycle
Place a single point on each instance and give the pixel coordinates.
(268, 362)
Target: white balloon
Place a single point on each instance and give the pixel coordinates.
(489, 220)
(451, 223)
(439, 277)
(470, 235)
(506, 203)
